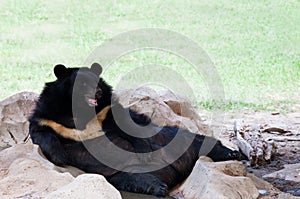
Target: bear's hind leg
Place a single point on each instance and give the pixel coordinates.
(139, 183)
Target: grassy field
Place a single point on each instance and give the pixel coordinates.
(255, 45)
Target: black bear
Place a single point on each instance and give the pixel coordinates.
(131, 152)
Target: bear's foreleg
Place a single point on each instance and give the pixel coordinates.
(214, 149)
(139, 183)
(49, 144)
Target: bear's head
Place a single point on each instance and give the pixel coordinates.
(82, 85)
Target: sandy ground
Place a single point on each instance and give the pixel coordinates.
(288, 152)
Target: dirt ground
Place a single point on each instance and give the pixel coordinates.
(287, 152)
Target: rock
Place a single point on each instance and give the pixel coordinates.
(281, 151)
(14, 112)
(259, 183)
(217, 180)
(286, 180)
(291, 172)
(26, 174)
(267, 190)
(86, 186)
(164, 108)
(8, 156)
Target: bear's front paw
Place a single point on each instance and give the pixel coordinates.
(236, 155)
(233, 155)
(158, 189)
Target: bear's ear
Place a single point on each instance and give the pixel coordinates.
(60, 71)
(96, 68)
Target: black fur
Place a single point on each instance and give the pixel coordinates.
(55, 103)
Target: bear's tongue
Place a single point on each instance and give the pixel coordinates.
(92, 102)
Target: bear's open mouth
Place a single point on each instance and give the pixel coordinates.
(91, 101)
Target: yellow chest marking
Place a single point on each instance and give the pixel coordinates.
(93, 128)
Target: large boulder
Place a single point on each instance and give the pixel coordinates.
(164, 108)
(14, 112)
(25, 173)
(217, 180)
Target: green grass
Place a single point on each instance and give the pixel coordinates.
(281, 106)
(255, 45)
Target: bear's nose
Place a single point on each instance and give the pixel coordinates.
(98, 93)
